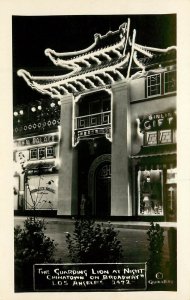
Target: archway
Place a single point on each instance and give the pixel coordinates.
(99, 186)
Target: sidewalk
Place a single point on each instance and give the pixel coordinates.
(117, 224)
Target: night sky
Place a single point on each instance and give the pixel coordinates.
(31, 35)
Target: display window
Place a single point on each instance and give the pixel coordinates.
(150, 193)
(42, 191)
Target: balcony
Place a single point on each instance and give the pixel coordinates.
(92, 126)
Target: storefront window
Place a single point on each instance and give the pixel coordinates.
(150, 195)
(43, 192)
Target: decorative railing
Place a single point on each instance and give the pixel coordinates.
(92, 125)
(93, 120)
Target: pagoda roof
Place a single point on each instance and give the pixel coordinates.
(109, 59)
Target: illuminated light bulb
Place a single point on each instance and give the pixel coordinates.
(59, 102)
(52, 104)
(15, 114)
(21, 112)
(39, 107)
(33, 109)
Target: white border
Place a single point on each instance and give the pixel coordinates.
(36, 7)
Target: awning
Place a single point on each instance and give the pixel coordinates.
(156, 157)
(156, 151)
(40, 166)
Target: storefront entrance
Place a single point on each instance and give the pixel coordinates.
(99, 186)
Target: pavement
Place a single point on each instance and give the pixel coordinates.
(117, 224)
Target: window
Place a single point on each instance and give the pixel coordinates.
(169, 82)
(163, 83)
(154, 85)
(150, 193)
(33, 153)
(42, 152)
(50, 151)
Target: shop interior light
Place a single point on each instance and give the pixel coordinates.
(39, 107)
(21, 112)
(33, 109)
(15, 113)
(52, 104)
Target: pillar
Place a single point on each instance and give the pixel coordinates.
(121, 148)
(68, 172)
(21, 193)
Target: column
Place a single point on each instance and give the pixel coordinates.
(21, 200)
(68, 173)
(121, 148)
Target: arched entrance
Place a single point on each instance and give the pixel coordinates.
(99, 186)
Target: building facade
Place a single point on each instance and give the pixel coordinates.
(105, 142)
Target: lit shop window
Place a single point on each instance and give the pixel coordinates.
(169, 82)
(50, 151)
(150, 198)
(34, 153)
(154, 85)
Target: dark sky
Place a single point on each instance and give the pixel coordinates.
(31, 35)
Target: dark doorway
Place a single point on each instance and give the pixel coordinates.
(102, 193)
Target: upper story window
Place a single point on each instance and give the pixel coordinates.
(162, 83)
(94, 104)
(154, 85)
(50, 151)
(42, 153)
(169, 82)
(34, 153)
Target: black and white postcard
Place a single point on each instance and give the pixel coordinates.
(94, 116)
